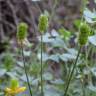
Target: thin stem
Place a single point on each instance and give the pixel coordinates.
(83, 88)
(71, 73)
(42, 93)
(25, 69)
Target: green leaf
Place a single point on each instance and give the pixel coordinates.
(92, 40)
(89, 16)
(54, 58)
(67, 57)
(58, 82)
(47, 76)
(2, 72)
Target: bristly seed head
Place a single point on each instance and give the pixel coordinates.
(84, 33)
(22, 31)
(43, 23)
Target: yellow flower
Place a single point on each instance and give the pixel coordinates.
(14, 88)
(15, 91)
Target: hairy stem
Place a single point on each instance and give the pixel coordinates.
(42, 93)
(28, 82)
(72, 72)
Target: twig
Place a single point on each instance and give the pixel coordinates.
(13, 11)
(1, 26)
(31, 15)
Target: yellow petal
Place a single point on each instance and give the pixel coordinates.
(9, 91)
(15, 91)
(20, 89)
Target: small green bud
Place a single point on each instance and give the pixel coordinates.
(14, 83)
(43, 23)
(84, 33)
(22, 31)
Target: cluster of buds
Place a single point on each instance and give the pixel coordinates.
(22, 34)
(22, 31)
(43, 23)
(84, 33)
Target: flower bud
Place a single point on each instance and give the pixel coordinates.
(22, 31)
(14, 83)
(84, 33)
(43, 23)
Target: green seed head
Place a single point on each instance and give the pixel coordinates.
(14, 83)
(84, 33)
(43, 23)
(22, 31)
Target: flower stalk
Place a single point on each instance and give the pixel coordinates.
(42, 92)
(21, 36)
(72, 72)
(42, 26)
(84, 31)
(28, 82)
(82, 40)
